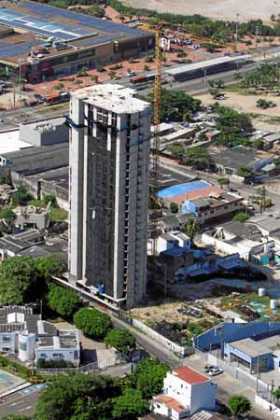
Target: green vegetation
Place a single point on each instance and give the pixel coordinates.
(120, 339)
(51, 364)
(239, 405)
(130, 405)
(191, 228)
(8, 215)
(57, 214)
(264, 104)
(244, 172)
(176, 105)
(266, 77)
(177, 150)
(148, 377)
(92, 322)
(15, 417)
(241, 216)
(17, 369)
(216, 30)
(174, 207)
(88, 397)
(78, 396)
(23, 279)
(63, 301)
(21, 197)
(234, 126)
(197, 157)
(223, 181)
(276, 394)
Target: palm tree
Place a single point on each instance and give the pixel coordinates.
(191, 228)
(239, 405)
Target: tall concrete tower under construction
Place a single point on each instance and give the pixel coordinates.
(109, 173)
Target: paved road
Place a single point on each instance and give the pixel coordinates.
(22, 402)
(179, 172)
(12, 119)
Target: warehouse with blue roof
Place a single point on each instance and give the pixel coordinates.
(45, 41)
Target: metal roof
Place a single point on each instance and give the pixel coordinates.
(250, 347)
(207, 63)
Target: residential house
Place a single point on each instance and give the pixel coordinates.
(185, 391)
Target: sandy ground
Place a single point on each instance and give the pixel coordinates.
(221, 9)
(247, 103)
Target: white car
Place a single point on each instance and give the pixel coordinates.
(214, 371)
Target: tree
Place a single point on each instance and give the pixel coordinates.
(176, 105)
(92, 322)
(239, 405)
(7, 215)
(120, 339)
(223, 181)
(191, 228)
(234, 126)
(21, 196)
(78, 396)
(276, 394)
(23, 279)
(197, 157)
(63, 301)
(149, 376)
(244, 172)
(130, 405)
(174, 207)
(241, 217)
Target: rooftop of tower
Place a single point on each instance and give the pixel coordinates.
(112, 97)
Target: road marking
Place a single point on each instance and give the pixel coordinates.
(25, 408)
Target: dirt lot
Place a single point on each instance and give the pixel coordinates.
(266, 119)
(221, 9)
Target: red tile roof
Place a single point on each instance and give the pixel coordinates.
(194, 195)
(169, 402)
(189, 375)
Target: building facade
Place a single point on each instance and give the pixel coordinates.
(109, 169)
(185, 391)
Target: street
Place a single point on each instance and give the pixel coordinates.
(22, 402)
(11, 119)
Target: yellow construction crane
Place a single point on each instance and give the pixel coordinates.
(156, 139)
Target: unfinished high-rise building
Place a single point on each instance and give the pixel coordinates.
(109, 173)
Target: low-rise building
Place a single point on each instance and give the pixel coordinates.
(25, 335)
(44, 133)
(185, 391)
(211, 208)
(250, 353)
(242, 238)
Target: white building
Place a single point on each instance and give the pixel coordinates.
(65, 347)
(109, 170)
(169, 240)
(242, 238)
(185, 392)
(29, 338)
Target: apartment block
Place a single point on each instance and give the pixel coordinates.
(109, 173)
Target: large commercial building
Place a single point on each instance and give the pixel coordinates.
(109, 169)
(39, 41)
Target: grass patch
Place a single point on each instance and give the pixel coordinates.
(58, 215)
(17, 369)
(237, 88)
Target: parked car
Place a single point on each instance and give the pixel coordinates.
(215, 370)
(207, 368)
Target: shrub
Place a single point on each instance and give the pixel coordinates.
(92, 322)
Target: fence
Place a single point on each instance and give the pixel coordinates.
(86, 368)
(170, 345)
(241, 375)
